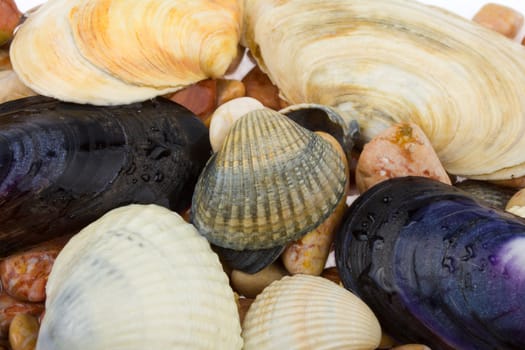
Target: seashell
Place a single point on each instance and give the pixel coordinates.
(490, 194)
(63, 165)
(140, 277)
(270, 183)
(371, 59)
(309, 312)
(114, 52)
(248, 261)
(516, 204)
(436, 266)
(328, 119)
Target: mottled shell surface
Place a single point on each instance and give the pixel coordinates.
(305, 312)
(139, 278)
(392, 61)
(109, 52)
(271, 182)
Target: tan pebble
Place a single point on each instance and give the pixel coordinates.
(226, 115)
(308, 255)
(200, 98)
(499, 18)
(23, 332)
(412, 347)
(401, 150)
(9, 19)
(332, 273)
(387, 342)
(260, 87)
(228, 90)
(10, 307)
(243, 304)
(516, 204)
(250, 285)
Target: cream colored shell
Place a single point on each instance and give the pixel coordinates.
(305, 312)
(139, 278)
(391, 61)
(108, 52)
(270, 183)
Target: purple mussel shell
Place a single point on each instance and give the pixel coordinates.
(435, 265)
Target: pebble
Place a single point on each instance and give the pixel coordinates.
(260, 87)
(401, 150)
(501, 19)
(251, 285)
(23, 332)
(200, 98)
(228, 90)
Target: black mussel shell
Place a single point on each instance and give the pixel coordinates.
(493, 195)
(435, 265)
(63, 165)
(249, 261)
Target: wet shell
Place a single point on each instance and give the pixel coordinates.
(328, 119)
(271, 182)
(249, 261)
(308, 312)
(109, 52)
(372, 58)
(139, 278)
(64, 165)
(436, 266)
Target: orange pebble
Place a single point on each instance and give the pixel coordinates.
(499, 18)
(260, 87)
(200, 98)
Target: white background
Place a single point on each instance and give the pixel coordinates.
(466, 8)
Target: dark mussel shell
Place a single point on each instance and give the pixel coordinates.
(249, 261)
(63, 165)
(493, 195)
(316, 117)
(435, 265)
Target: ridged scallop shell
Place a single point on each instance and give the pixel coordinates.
(139, 278)
(270, 183)
(122, 51)
(392, 61)
(305, 312)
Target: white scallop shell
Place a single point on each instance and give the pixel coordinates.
(139, 278)
(305, 312)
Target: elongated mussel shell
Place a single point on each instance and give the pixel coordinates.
(63, 165)
(372, 58)
(270, 183)
(436, 266)
(139, 278)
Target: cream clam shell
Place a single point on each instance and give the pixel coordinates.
(305, 312)
(139, 278)
(110, 52)
(393, 61)
(270, 183)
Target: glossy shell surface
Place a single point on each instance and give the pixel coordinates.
(64, 165)
(436, 266)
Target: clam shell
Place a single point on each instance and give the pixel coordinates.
(139, 278)
(271, 182)
(249, 261)
(109, 52)
(393, 61)
(305, 312)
